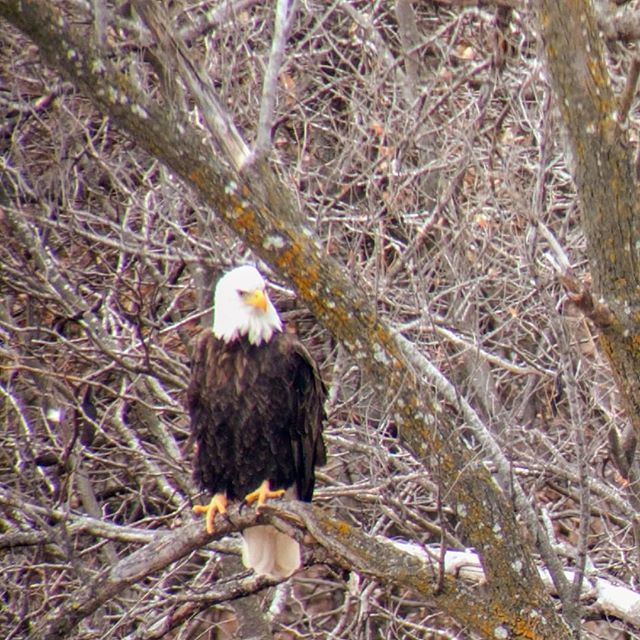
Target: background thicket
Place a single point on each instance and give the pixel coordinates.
(421, 142)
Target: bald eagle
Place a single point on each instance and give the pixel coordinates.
(256, 402)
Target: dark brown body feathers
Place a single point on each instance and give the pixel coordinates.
(256, 414)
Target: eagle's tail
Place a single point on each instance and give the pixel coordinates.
(269, 552)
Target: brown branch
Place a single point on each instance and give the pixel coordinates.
(580, 294)
(343, 545)
(388, 562)
(284, 14)
(224, 132)
(507, 4)
(621, 24)
(153, 557)
(182, 608)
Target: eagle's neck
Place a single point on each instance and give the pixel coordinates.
(257, 328)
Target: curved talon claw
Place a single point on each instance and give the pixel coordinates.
(218, 504)
(263, 493)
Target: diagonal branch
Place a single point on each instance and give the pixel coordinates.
(343, 545)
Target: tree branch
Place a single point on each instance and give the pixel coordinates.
(396, 563)
(226, 136)
(283, 16)
(343, 545)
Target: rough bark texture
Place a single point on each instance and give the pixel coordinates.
(605, 176)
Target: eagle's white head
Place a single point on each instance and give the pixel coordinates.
(242, 307)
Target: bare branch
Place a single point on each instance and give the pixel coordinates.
(284, 14)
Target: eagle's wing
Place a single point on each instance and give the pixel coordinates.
(306, 430)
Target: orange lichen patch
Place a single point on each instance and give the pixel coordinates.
(524, 630)
(519, 627)
(340, 527)
(196, 176)
(294, 261)
(605, 344)
(245, 219)
(309, 275)
(383, 335)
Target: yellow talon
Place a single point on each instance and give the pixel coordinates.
(263, 493)
(218, 504)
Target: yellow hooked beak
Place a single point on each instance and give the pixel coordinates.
(257, 298)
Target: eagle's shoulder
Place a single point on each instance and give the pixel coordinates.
(290, 346)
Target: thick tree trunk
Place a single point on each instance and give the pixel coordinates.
(604, 173)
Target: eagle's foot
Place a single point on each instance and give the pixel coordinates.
(218, 504)
(262, 494)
